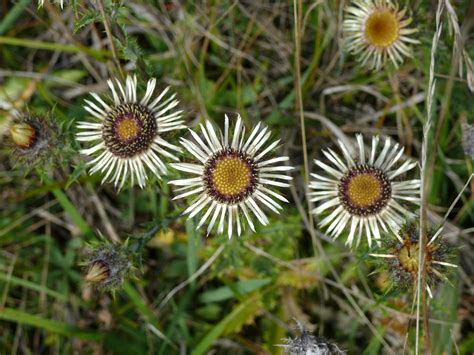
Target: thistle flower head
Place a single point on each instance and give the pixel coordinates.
(233, 176)
(364, 191)
(35, 140)
(308, 344)
(128, 134)
(402, 252)
(108, 266)
(61, 3)
(376, 30)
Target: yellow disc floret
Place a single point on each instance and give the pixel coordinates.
(364, 190)
(382, 28)
(408, 257)
(127, 129)
(231, 176)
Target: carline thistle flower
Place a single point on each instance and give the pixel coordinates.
(376, 30)
(403, 250)
(308, 344)
(232, 176)
(129, 132)
(364, 192)
(41, 3)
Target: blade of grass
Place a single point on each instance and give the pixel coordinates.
(12, 15)
(53, 326)
(145, 311)
(72, 212)
(32, 286)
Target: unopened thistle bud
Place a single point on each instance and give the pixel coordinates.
(36, 141)
(98, 272)
(23, 135)
(108, 266)
(403, 252)
(308, 344)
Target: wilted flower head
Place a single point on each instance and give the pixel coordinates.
(376, 30)
(108, 266)
(403, 250)
(35, 140)
(308, 344)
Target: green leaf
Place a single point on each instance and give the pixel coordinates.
(225, 292)
(87, 18)
(232, 323)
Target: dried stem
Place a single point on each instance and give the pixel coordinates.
(421, 298)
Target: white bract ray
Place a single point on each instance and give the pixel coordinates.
(366, 193)
(232, 177)
(128, 132)
(41, 3)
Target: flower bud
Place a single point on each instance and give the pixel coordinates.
(98, 272)
(108, 266)
(23, 135)
(37, 141)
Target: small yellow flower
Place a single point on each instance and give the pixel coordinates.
(376, 30)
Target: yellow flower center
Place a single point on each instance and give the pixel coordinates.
(127, 129)
(364, 190)
(408, 257)
(231, 176)
(382, 28)
(23, 135)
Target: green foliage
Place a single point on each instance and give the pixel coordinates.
(209, 294)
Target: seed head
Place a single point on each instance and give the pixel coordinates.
(308, 344)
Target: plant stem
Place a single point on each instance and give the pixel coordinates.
(297, 12)
(111, 39)
(425, 182)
